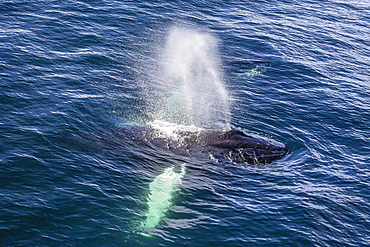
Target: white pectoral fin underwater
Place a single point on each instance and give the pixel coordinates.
(161, 192)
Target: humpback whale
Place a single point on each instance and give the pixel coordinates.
(219, 145)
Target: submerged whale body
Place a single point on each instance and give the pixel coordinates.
(227, 145)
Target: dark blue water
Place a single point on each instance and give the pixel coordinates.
(295, 71)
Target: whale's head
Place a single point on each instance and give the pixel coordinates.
(236, 146)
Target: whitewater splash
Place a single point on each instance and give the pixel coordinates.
(189, 89)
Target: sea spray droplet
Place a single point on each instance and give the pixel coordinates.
(161, 192)
(190, 80)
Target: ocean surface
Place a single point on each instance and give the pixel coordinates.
(77, 77)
